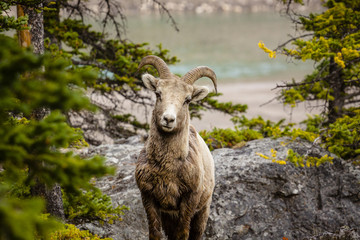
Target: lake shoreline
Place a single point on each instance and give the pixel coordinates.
(260, 96)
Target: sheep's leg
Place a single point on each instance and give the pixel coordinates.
(153, 217)
(169, 224)
(198, 223)
(187, 209)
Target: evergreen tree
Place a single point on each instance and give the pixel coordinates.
(30, 149)
(34, 36)
(332, 40)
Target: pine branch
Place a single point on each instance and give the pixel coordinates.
(292, 39)
(112, 11)
(164, 9)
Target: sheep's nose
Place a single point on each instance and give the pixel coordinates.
(169, 118)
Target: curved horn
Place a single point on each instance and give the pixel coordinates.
(158, 63)
(199, 72)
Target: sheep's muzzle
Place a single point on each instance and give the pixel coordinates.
(168, 119)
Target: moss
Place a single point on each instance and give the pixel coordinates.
(69, 231)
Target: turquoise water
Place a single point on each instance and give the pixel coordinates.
(226, 42)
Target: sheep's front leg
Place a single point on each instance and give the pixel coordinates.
(187, 209)
(153, 217)
(198, 223)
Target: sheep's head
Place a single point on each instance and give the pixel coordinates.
(173, 94)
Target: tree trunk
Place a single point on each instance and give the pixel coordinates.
(53, 196)
(36, 24)
(337, 85)
(23, 35)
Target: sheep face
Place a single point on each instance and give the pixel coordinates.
(173, 96)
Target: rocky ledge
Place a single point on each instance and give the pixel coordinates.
(254, 198)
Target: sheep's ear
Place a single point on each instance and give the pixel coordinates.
(199, 93)
(149, 81)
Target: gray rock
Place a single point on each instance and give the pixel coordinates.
(254, 197)
(345, 233)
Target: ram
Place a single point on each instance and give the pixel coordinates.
(175, 170)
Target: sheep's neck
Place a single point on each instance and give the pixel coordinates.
(168, 147)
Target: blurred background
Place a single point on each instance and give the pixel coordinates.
(224, 35)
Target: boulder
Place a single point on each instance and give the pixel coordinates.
(254, 198)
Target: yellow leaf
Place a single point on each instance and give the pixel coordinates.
(262, 155)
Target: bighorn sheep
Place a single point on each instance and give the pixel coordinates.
(175, 170)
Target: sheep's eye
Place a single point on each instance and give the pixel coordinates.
(158, 95)
(187, 100)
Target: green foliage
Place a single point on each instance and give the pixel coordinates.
(28, 83)
(79, 141)
(343, 136)
(313, 123)
(7, 22)
(69, 231)
(23, 218)
(117, 59)
(245, 130)
(52, 93)
(220, 138)
(292, 97)
(266, 128)
(91, 205)
(20, 149)
(308, 161)
(335, 34)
